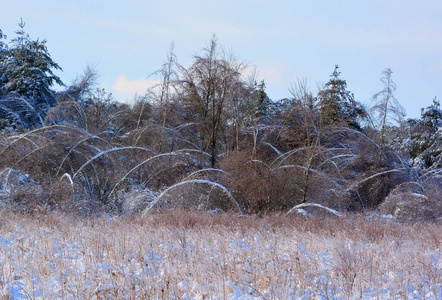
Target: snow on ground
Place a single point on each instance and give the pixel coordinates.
(188, 257)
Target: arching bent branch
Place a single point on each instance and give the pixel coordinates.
(199, 181)
(336, 213)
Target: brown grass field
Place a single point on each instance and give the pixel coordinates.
(189, 255)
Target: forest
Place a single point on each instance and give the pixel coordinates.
(208, 138)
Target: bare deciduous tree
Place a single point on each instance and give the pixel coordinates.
(386, 109)
(207, 87)
(306, 105)
(169, 75)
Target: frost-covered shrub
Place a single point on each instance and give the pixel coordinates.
(135, 200)
(256, 186)
(19, 190)
(411, 207)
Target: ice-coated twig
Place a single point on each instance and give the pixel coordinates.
(38, 149)
(38, 130)
(68, 177)
(313, 171)
(200, 181)
(105, 153)
(206, 170)
(29, 105)
(175, 153)
(257, 161)
(335, 212)
(79, 110)
(78, 144)
(373, 176)
(138, 166)
(273, 148)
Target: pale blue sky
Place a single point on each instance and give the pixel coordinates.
(285, 40)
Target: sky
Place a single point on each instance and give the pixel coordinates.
(284, 40)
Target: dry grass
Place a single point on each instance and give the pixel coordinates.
(185, 255)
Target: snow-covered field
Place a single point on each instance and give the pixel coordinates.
(199, 256)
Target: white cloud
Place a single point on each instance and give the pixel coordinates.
(125, 90)
(277, 77)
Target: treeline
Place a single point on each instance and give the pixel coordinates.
(207, 138)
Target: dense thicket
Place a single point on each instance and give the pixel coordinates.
(208, 138)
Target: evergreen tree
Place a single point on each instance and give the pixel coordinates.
(254, 105)
(432, 116)
(27, 72)
(337, 105)
(263, 101)
(2, 36)
(3, 52)
(425, 143)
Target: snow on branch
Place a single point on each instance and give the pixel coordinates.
(194, 181)
(296, 207)
(105, 153)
